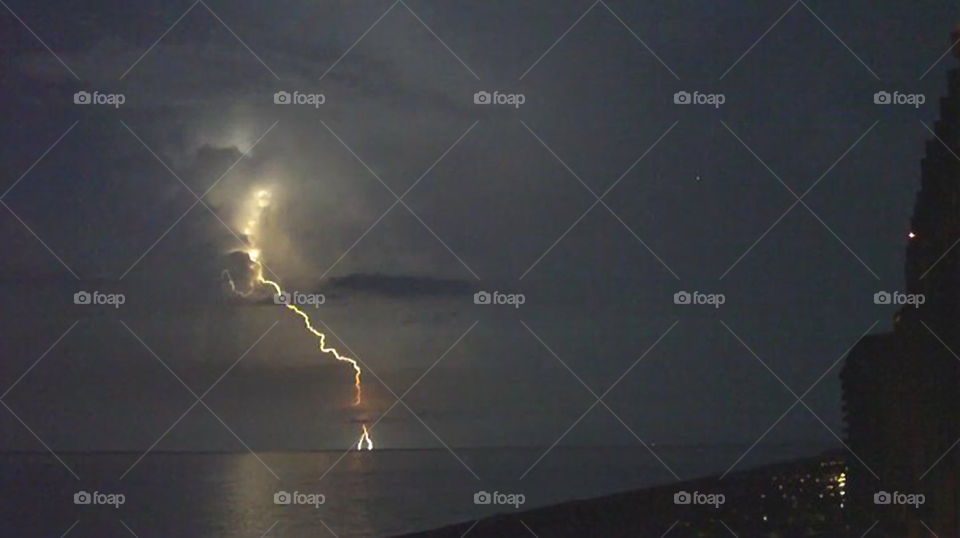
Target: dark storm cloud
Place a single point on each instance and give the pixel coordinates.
(400, 285)
(357, 285)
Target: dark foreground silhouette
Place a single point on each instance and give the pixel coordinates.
(797, 499)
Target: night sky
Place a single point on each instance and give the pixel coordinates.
(492, 197)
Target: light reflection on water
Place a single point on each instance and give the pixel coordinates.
(379, 493)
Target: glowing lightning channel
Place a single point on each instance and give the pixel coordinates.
(365, 438)
(262, 201)
(309, 326)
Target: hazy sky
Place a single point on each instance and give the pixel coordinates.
(399, 104)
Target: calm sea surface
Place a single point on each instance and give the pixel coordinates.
(380, 493)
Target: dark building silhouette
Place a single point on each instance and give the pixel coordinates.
(902, 389)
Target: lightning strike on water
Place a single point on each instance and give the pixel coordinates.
(261, 202)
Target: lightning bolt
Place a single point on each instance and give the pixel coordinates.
(262, 201)
(322, 338)
(365, 438)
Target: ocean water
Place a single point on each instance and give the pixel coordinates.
(379, 493)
